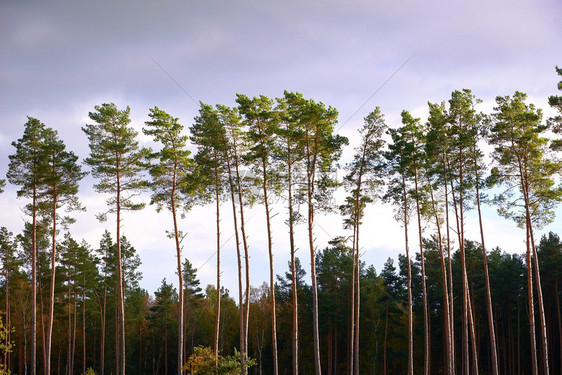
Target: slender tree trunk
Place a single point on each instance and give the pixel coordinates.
(311, 166)
(294, 286)
(540, 301)
(385, 340)
(7, 313)
(450, 313)
(357, 297)
(271, 273)
(69, 341)
(493, 347)
(530, 304)
(529, 253)
(218, 301)
(180, 276)
(42, 317)
(559, 321)
(52, 286)
(352, 312)
(473, 336)
(246, 257)
(102, 340)
(34, 284)
(446, 310)
(83, 324)
(316, 331)
(427, 347)
(74, 330)
(239, 259)
(409, 283)
(120, 282)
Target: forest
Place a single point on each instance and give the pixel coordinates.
(449, 305)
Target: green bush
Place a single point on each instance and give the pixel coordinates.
(5, 345)
(202, 362)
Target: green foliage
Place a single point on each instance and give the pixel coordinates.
(208, 133)
(115, 157)
(62, 175)
(521, 162)
(90, 371)
(5, 345)
(555, 122)
(27, 165)
(173, 171)
(2, 185)
(202, 362)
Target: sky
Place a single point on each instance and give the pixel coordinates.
(59, 59)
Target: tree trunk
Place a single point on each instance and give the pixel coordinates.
(446, 311)
(52, 287)
(409, 283)
(180, 278)
(239, 259)
(246, 258)
(218, 300)
(493, 347)
(120, 282)
(294, 286)
(385, 340)
(450, 269)
(352, 312)
(559, 321)
(427, 357)
(34, 284)
(271, 273)
(83, 324)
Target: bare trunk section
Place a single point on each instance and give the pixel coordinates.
(446, 309)
(246, 259)
(427, 351)
(409, 283)
(271, 273)
(180, 276)
(492, 332)
(84, 324)
(311, 166)
(450, 268)
(540, 302)
(218, 301)
(49, 336)
(120, 292)
(239, 260)
(352, 312)
(34, 285)
(294, 286)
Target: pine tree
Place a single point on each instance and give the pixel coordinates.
(27, 169)
(291, 155)
(10, 269)
(363, 182)
(261, 123)
(173, 186)
(209, 134)
(60, 190)
(322, 149)
(522, 164)
(116, 160)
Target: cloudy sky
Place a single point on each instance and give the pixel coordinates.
(59, 59)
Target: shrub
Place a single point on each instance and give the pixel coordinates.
(5, 346)
(202, 362)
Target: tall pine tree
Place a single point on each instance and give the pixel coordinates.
(116, 161)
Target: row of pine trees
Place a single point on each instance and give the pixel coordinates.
(433, 173)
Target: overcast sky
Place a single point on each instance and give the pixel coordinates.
(59, 59)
